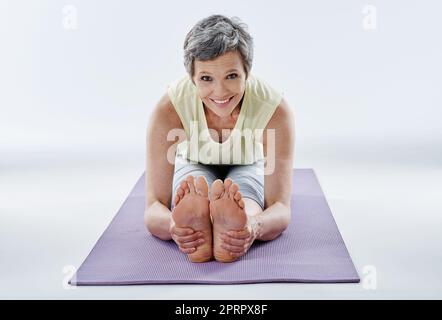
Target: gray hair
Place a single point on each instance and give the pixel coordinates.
(215, 35)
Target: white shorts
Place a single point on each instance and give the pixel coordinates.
(250, 178)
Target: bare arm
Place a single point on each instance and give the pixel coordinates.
(160, 163)
(276, 217)
(159, 171)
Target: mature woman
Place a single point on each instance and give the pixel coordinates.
(227, 180)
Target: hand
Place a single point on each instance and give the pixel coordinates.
(239, 242)
(186, 238)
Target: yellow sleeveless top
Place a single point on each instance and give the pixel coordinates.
(244, 144)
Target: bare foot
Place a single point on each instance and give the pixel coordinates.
(227, 211)
(191, 210)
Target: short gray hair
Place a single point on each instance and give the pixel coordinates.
(215, 35)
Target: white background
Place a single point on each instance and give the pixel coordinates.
(74, 105)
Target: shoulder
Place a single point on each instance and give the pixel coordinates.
(264, 100)
(262, 90)
(283, 117)
(164, 113)
(283, 125)
(180, 88)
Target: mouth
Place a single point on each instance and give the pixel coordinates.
(222, 103)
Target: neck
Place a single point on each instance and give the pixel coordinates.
(217, 119)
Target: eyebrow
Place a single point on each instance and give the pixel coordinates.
(228, 71)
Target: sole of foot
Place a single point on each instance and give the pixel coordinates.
(191, 210)
(227, 212)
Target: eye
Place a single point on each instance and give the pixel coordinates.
(204, 77)
(233, 74)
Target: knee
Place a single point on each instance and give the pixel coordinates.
(286, 217)
(252, 207)
(147, 221)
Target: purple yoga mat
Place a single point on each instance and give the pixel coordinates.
(310, 250)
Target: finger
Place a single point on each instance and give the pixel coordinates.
(248, 244)
(236, 255)
(183, 231)
(192, 244)
(187, 250)
(233, 241)
(231, 248)
(193, 237)
(242, 234)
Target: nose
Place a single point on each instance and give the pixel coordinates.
(219, 90)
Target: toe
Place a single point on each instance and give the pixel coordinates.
(227, 183)
(216, 189)
(238, 199)
(241, 203)
(202, 188)
(176, 200)
(179, 194)
(184, 187)
(191, 183)
(233, 190)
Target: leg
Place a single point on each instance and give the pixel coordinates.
(250, 179)
(251, 207)
(227, 212)
(190, 205)
(185, 168)
(233, 202)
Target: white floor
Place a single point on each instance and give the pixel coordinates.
(54, 210)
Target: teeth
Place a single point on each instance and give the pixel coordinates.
(222, 101)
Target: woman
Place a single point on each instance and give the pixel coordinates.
(211, 192)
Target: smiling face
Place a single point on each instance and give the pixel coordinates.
(220, 82)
